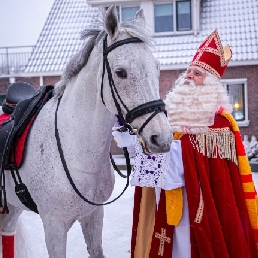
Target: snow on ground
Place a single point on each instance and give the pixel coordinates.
(30, 241)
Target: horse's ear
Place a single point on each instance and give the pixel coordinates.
(140, 18)
(111, 22)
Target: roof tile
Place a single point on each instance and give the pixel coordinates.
(237, 25)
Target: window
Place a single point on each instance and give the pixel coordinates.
(183, 15)
(237, 90)
(2, 98)
(126, 12)
(174, 16)
(163, 14)
(237, 99)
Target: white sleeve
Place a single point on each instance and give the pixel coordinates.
(123, 139)
(174, 176)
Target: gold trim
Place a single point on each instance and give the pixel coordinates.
(163, 238)
(206, 67)
(199, 213)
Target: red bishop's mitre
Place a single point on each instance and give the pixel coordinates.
(211, 56)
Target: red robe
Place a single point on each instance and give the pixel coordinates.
(225, 230)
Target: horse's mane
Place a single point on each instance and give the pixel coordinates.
(91, 38)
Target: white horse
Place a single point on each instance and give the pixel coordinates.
(84, 124)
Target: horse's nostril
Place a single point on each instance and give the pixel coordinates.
(154, 139)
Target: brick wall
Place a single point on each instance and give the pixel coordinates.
(4, 83)
(52, 80)
(167, 79)
(251, 74)
(34, 81)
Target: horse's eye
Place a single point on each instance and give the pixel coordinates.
(121, 73)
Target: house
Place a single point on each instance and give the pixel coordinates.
(178, 28)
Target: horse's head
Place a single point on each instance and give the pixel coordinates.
(131, 79)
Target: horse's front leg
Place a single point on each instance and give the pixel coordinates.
(55, 235)
(9, 220)
(92, 230)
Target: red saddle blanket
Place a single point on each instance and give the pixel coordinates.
(18, 148)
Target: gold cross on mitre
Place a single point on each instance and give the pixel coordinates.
(163, 238)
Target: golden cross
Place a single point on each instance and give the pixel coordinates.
(162, 237)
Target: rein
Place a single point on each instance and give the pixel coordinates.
(69, 175)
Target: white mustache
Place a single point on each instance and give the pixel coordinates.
(189, 81)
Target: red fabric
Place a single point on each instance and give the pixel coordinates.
(20, 145)
(161, 224)
(256, 234)
(246, 178)
(136, 212)
(3, 118)
(7, 246)
(250, 195)
(225, 230)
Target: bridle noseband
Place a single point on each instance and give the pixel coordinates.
(155, 106)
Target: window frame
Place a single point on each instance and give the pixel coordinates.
(191, 22)
(243, 81)
(175, 31)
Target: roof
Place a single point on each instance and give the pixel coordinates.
(60, 36)
(237, 24)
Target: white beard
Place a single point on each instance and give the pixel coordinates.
(191, 109)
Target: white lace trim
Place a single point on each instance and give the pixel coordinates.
(149, 170)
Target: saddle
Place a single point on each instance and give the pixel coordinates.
(23, 102)
(17, 92)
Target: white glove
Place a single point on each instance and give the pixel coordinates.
(123, 139)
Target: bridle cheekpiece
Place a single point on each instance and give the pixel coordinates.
(154, 107)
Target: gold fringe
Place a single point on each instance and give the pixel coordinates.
(216, 143)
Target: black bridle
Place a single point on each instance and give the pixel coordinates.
(155, 106)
